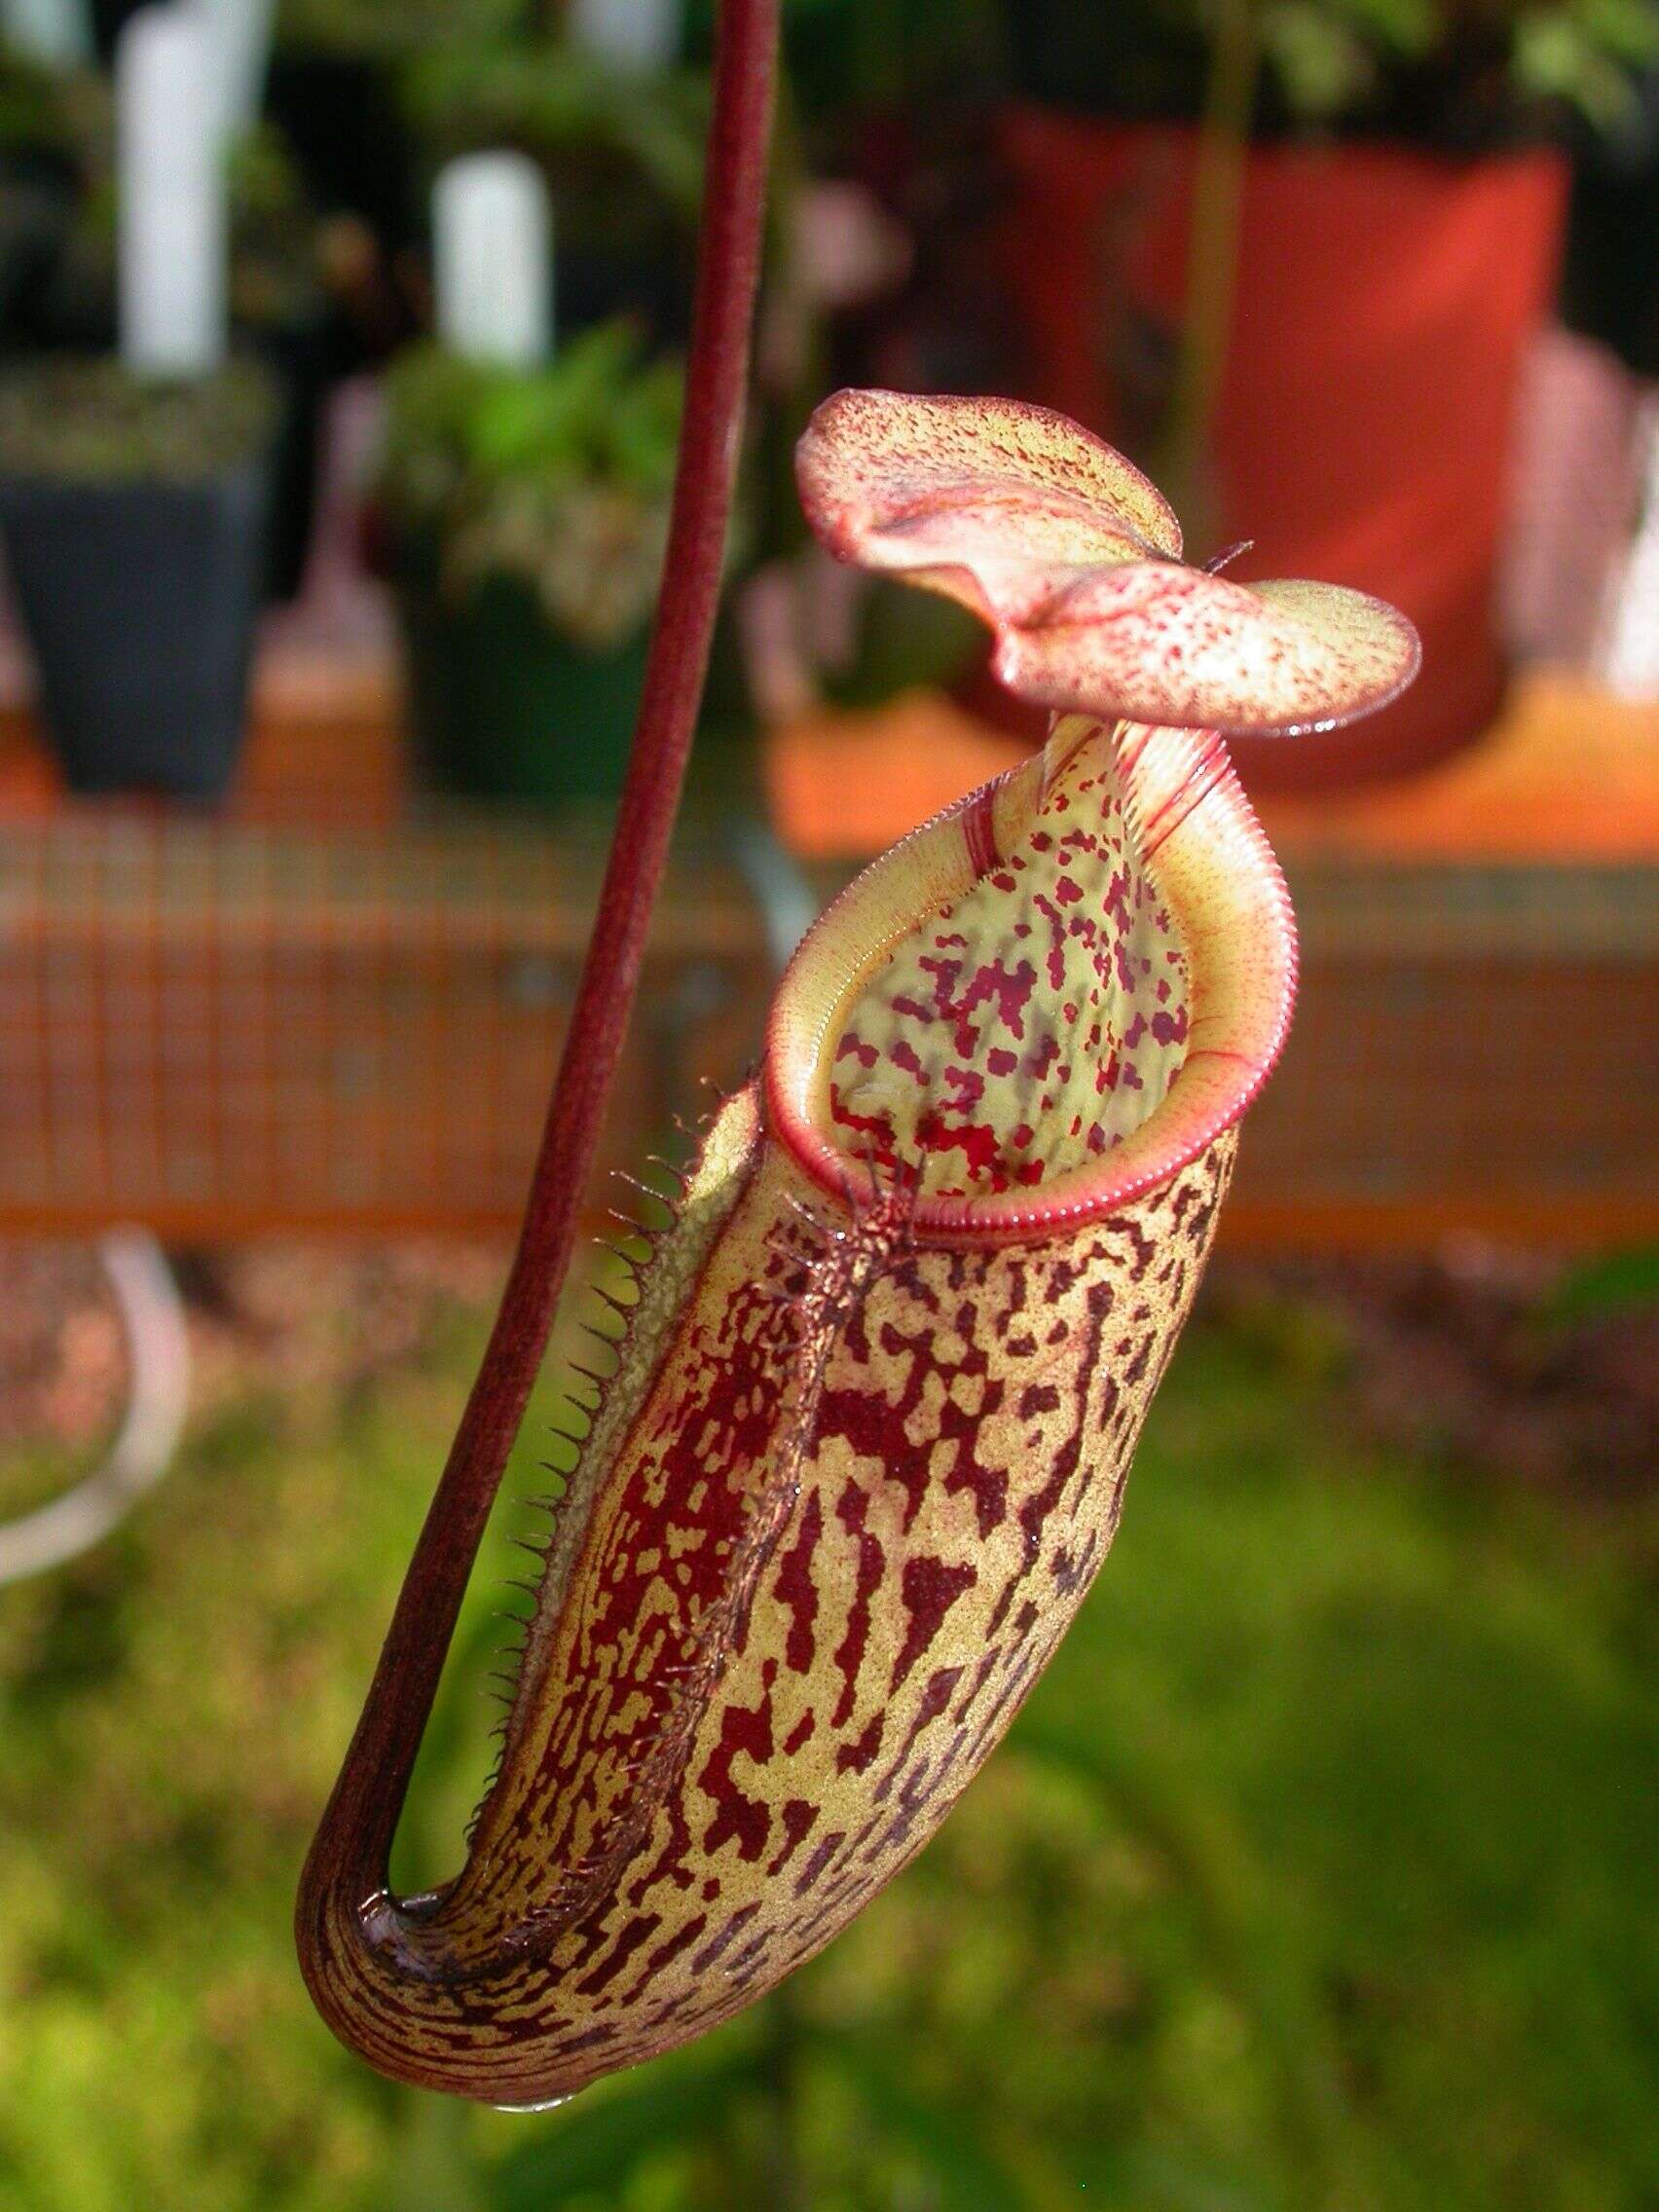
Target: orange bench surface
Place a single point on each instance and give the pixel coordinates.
(1570, 775)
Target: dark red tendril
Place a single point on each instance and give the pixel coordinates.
(353, 1841)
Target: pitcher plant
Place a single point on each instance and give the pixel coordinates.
(866, 1442)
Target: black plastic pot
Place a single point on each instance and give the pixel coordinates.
(502, 707)
(299, 354)
(139, 601)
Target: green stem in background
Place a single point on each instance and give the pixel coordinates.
(1212, 252)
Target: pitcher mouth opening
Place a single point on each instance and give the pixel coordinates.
(1046, 1001)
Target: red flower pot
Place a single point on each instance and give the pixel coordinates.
(1384, 304)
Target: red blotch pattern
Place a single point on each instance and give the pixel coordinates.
(1034, 1023)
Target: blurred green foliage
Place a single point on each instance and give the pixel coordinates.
(854, 55)
(556, 477)
(36, 106)
(560, 105)
(1441, 68)
(1317, 1873)
(1328, 57)
(1457, 71)
(459, 429)
(1625, 1281)
(370, 27)
(68, 122)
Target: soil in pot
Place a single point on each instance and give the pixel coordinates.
(502, 706)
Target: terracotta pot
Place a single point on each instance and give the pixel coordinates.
(1385, 303)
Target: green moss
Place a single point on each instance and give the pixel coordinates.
(87, 420)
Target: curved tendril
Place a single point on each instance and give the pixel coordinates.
(354, 1840)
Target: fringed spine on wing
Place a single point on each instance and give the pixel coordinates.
(390, 1974)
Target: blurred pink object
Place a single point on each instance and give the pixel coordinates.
(851, 249)
(1576, 495)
